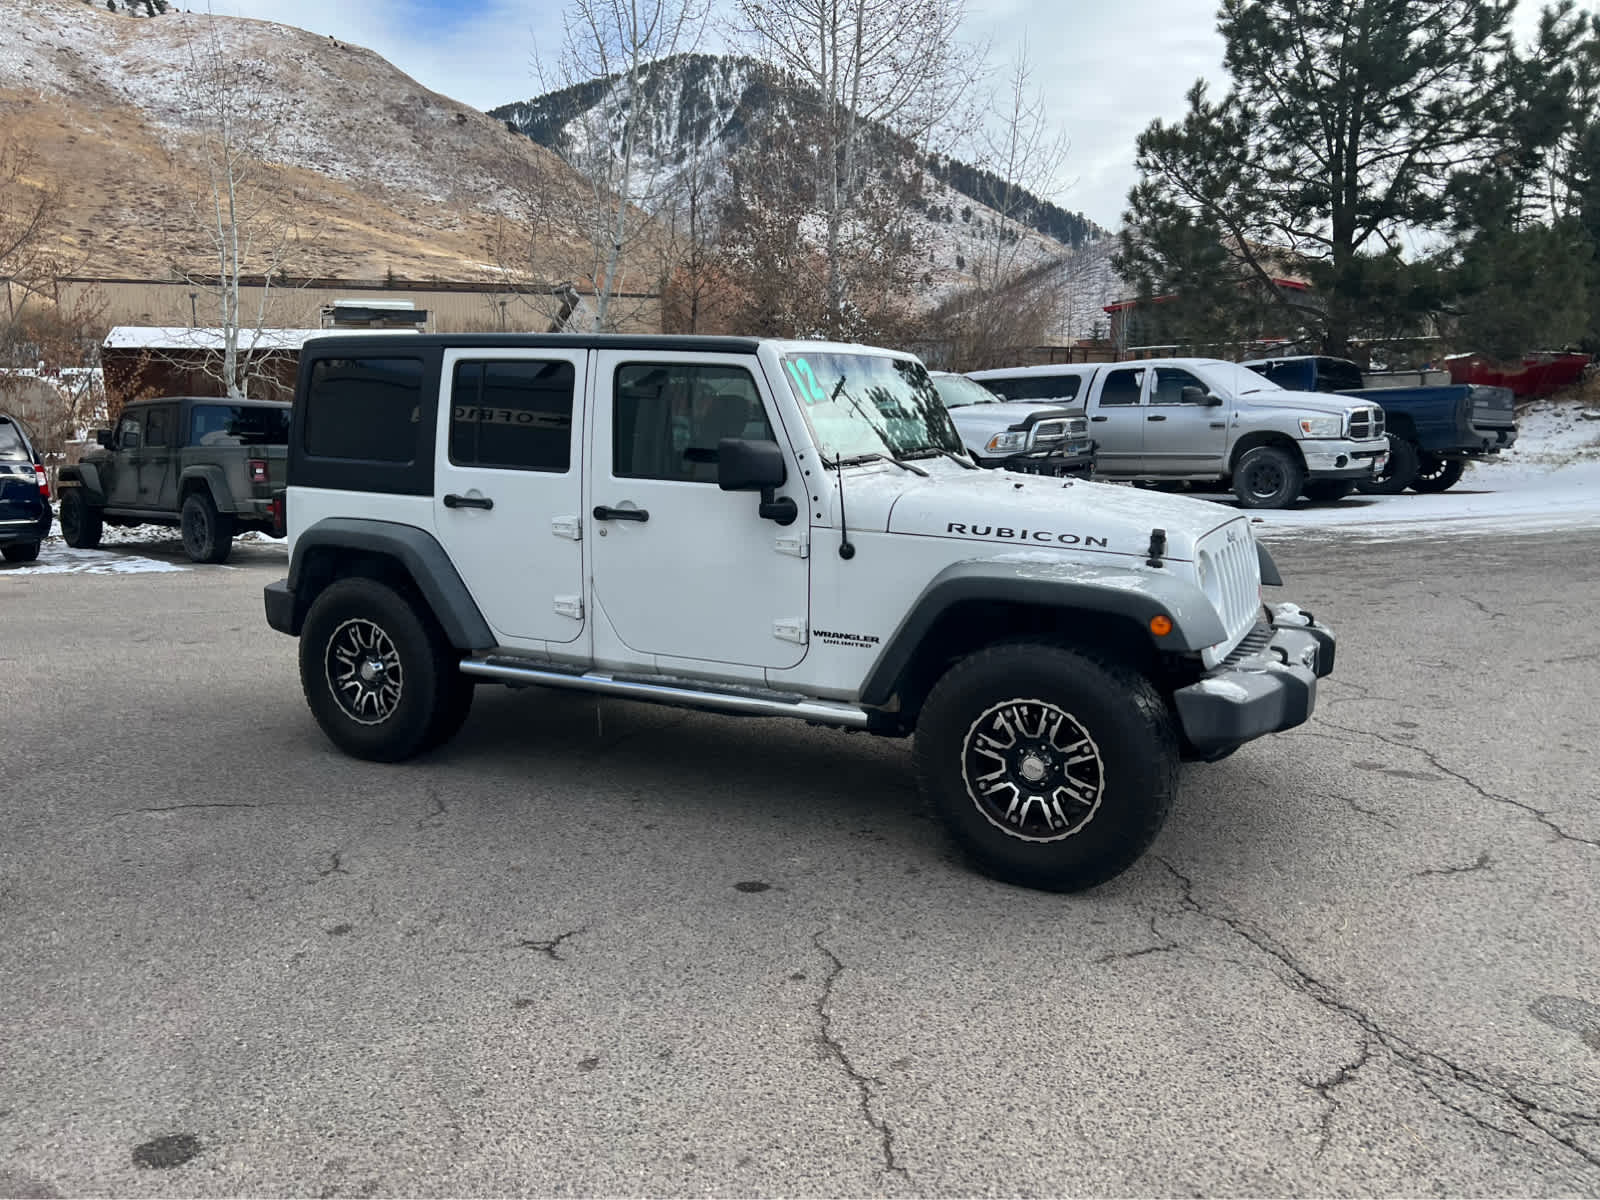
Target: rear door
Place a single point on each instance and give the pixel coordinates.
(509, 488)
(1183, 435)
(1116, 420)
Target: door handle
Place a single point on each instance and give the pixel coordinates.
(454, 501)
(1155, 418)
(604, 513)
(1219, 424)
(1099, 418)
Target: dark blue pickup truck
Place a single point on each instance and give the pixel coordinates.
(1433, 431)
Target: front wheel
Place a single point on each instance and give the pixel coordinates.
(1329, 491)
(1268, 477)
(1437, 474)
(1397, 473)
(379, 677)
(207, 534)
(1052, 769)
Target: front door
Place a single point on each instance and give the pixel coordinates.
(1182, 434)
(508, 488)
(157, 487)
(119, 473)
(683, 570)
(1116, 423)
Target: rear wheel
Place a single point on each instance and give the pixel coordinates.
(380, 678)
(1051, 768)
(1397, 473)
(1327, 491)
(20, 552)
(1268, 477)
(1437, 474)
(81, 525)
(207, 534)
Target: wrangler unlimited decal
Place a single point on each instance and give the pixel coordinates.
(1027, 535)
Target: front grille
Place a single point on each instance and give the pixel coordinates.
(1237, 568)
(1365, 424)
(1049, 431)
(1257, 640)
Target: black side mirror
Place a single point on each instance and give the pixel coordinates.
(103, 437)
(1213, 401)
(747, 466)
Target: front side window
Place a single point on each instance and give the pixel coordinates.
(668, 418)
(859, 405)
(364, 409)
(1169, 385)
(513, 415)
(1122, 387)
(158, 430)
(129, 430)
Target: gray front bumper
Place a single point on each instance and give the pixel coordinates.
(1269, 688)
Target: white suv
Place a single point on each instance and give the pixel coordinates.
(772, 528)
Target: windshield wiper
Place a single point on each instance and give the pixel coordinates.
(950, 454)
(855, 460)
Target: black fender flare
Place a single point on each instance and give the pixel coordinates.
(82, 475)
(1136, 596)
(414, 550)
(212, 477)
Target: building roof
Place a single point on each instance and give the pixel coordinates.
(184, 337)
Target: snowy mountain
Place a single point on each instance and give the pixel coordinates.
(704, 109)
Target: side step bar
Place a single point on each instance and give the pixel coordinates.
(750, 702)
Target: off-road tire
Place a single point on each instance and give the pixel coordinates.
(1268, 477)
(20, 551)
(1437, 474)
(207, 533)
(1329, 491)
(1123, 793)
(81, 525)
(1397, 473)
(426, 704)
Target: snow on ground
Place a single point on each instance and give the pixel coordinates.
(57, 558)
(1549, 480)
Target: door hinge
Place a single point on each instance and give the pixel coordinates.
(570, 606)
(790, 629)
(797, 544)
(570, 528)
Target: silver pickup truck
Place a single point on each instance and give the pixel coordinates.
(1203, 419)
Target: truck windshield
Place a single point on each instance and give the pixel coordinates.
(859, 405)
(957, 391)
(238, 425)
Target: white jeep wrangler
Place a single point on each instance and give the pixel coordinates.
(772, 528)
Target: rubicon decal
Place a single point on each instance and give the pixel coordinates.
(1027, 535)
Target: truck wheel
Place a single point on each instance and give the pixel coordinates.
(1052, 769)
(1437, 474)
(1328, 491)
(380, 679)
(1267, 477)
(81, 526)
(1397, 474)
(207, 534)
(20, 552)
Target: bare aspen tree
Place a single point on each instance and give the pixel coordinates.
(30, 215)
(613, 146)
(872, 65)
(242, 217)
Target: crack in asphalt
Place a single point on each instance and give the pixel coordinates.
(1428, 1067)
(1326, 1088)
(864, 1083)
(1481, 863)
(1164, 944)
(335, 865)
(551, 948)
(1365, 812)
(166, 808)
(1539, 814)
(438, 810)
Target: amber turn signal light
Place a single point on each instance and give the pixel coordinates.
(1160, 625)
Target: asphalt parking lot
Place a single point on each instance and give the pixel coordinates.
(596, 947)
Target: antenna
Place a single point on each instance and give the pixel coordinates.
(846, 550)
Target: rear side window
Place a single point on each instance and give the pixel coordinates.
(12, 446)
(515, 415)
(238, 425)
(365, 409)
(1122, 387)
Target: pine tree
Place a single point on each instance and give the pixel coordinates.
(1338, 134)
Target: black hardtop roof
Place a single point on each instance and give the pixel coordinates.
(518, 341)
(252, 402)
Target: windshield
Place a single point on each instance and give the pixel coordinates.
(865, 404)
(957, 391)
(1245, 381)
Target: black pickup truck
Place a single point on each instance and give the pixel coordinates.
(1433, 431)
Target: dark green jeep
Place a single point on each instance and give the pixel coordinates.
(209, 466)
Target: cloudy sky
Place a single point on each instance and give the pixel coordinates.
(1107, 67)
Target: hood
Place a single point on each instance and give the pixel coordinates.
(1009, 510)
(1321, 402)
(1010, 412)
